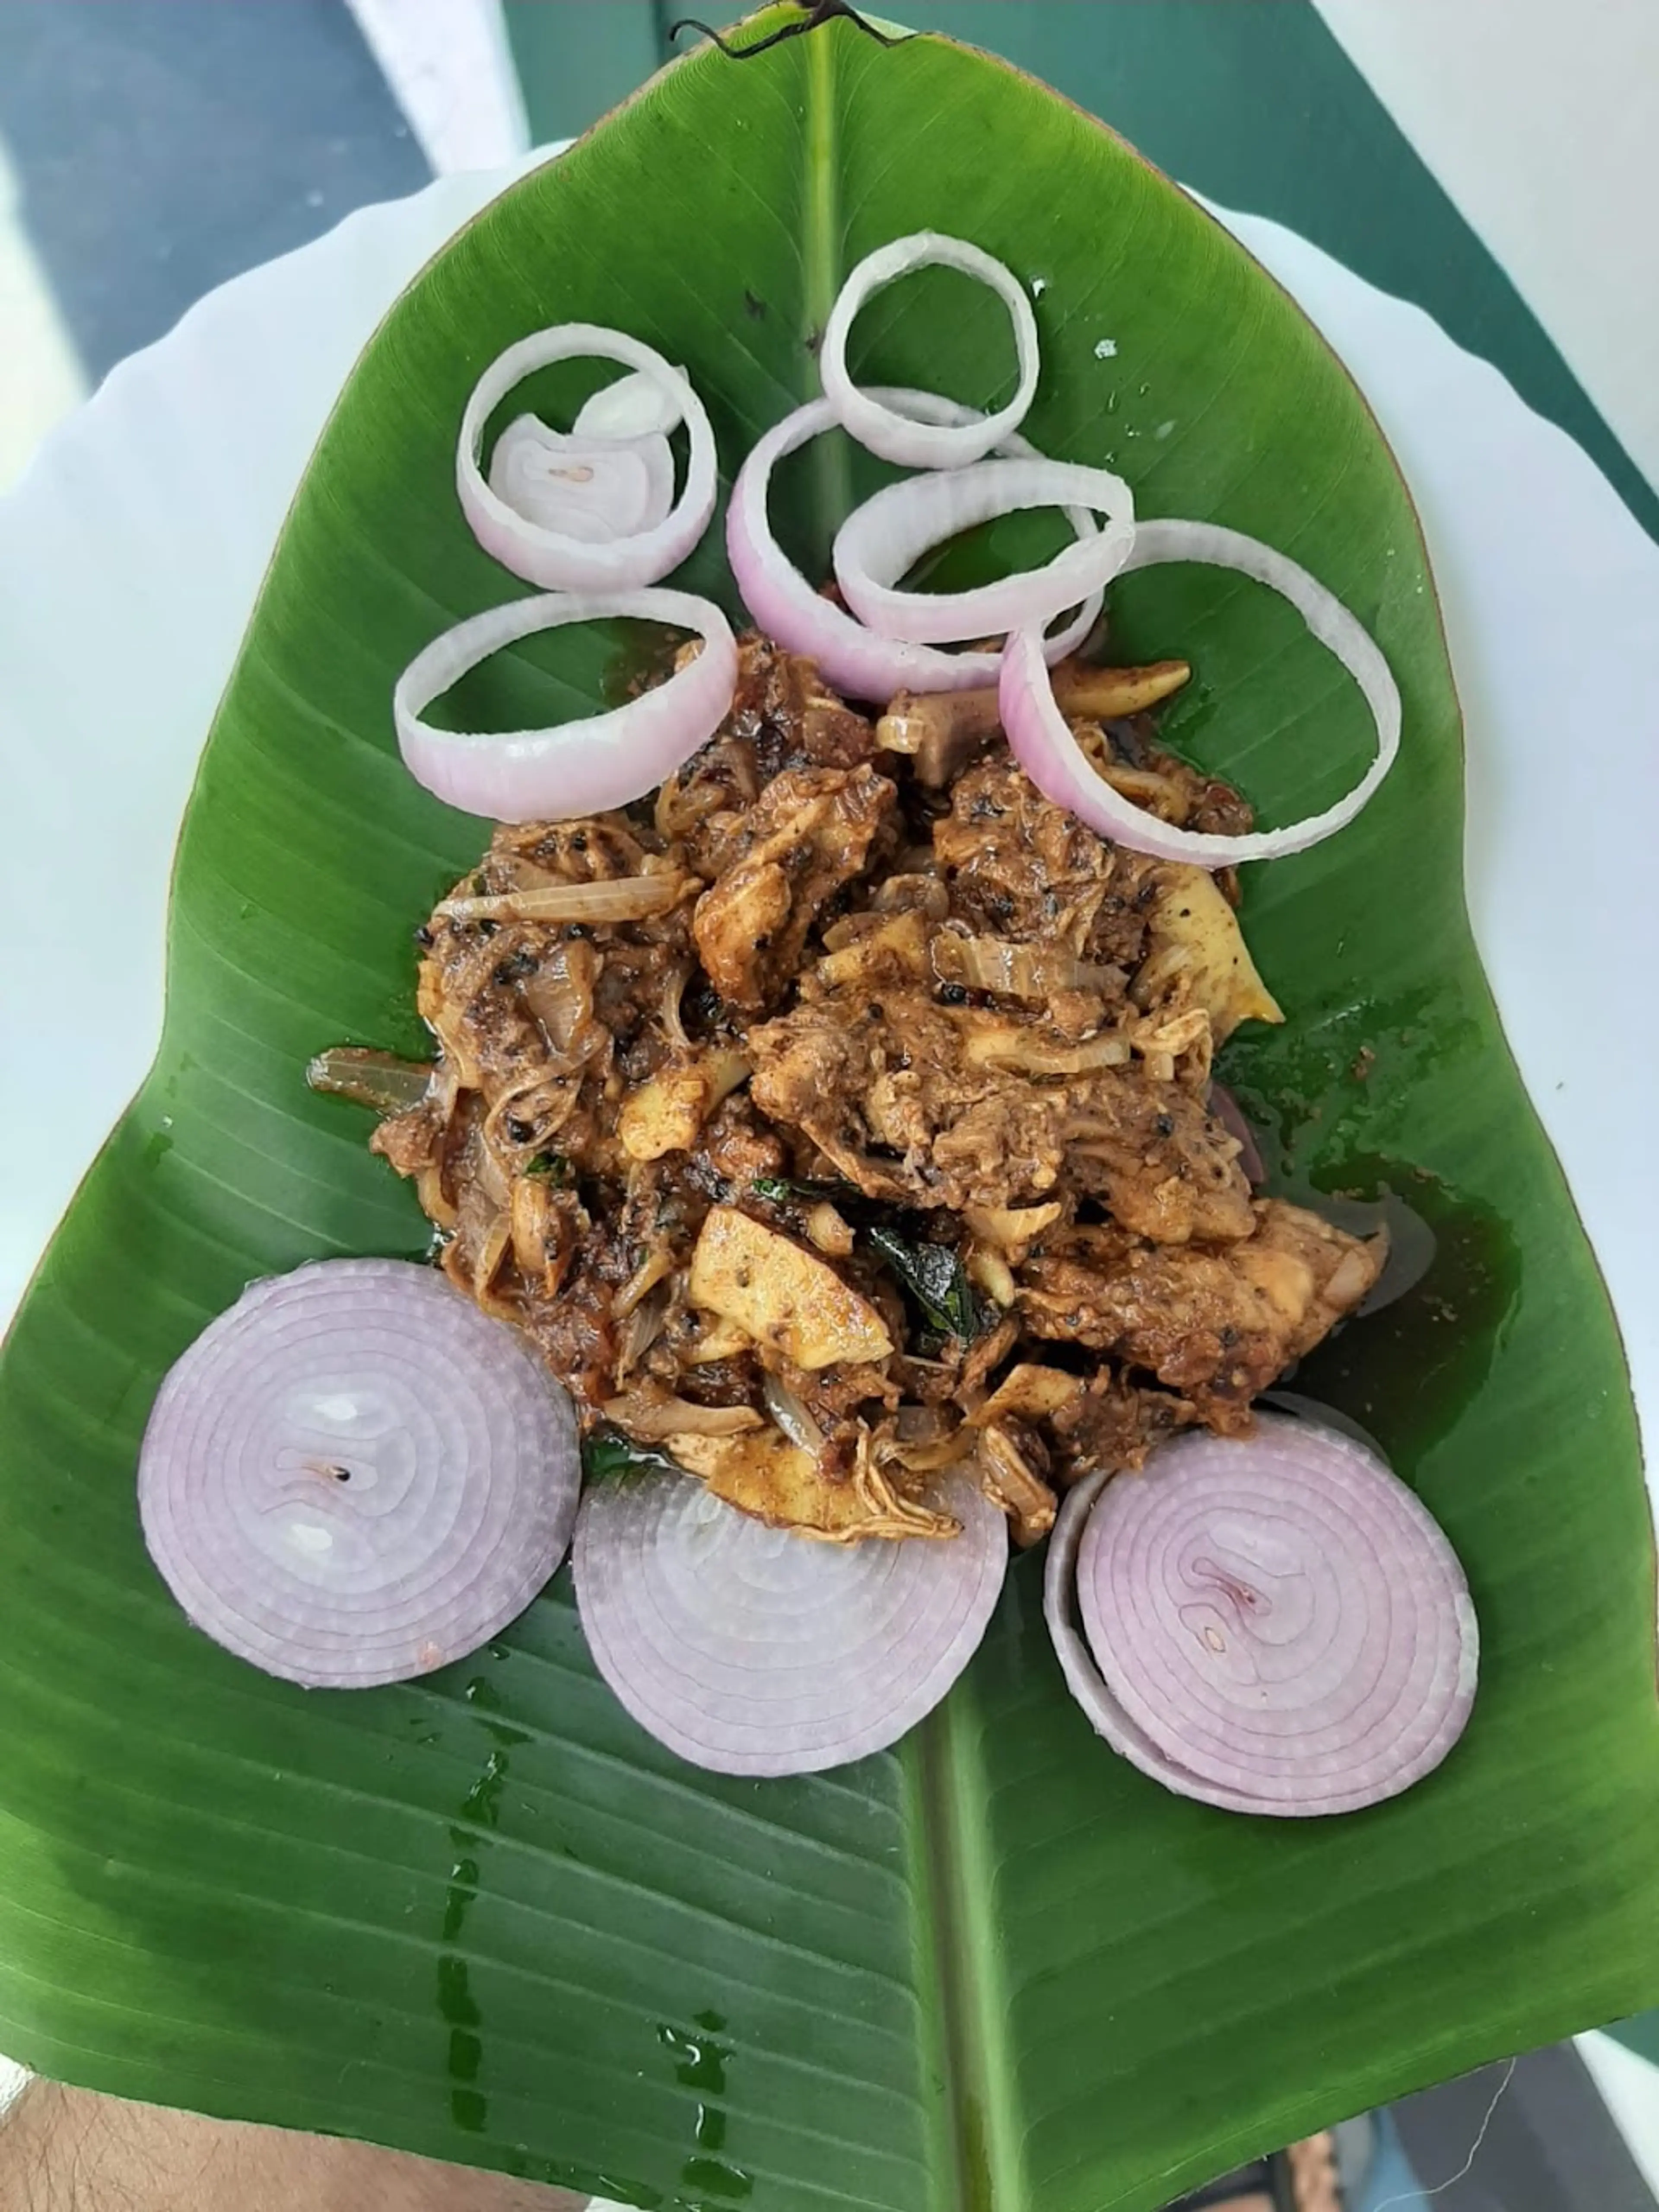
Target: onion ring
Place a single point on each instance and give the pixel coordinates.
(881, 427)
(879, 540)
(857, 662)
(549, 557)
(573, 768)
(752, 1650)
(354, 1476)
(1275, 1624)
(1049, 754)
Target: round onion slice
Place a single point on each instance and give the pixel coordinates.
(576, 768)
(551, 558)
(1275, 1624)
(751, 1650)
(869, 416)
(354, 1476)
(851, 657)
(593, 489)
(879, 540)
(1051, 756)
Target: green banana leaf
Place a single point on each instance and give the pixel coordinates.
(483, 1917)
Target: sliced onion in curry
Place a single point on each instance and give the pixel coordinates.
(853, 659)
(1273, 1624)
(791, 1415)
(892, 430)
(751, 1650)
(557, 559)
(354, 1476)
(574, 768)
(1045, 747)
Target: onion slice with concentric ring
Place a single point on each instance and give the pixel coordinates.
(595, 491)
(572, 768)
(894, 432)
(1045, 748)
(881, 539)
(858, 663)
(754, 1650)
(352, 1476)
(1275, 1624)
(555, 561)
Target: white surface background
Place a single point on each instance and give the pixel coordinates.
(1540, 119)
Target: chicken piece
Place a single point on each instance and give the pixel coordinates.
(1219, 1325)
(810, 831)
(769, 1479)
(781, 1294)
(1197, 957)
(1110, 1422)
(941, 731)
(1018, 867)
(1013, 862)
(881, 1087)
(667, 1112)
(1163, 1165)
(1010, 1477)
(1029, 1392)
(887, 1086)
(788, 715)
(737, 1148)
(871, 949)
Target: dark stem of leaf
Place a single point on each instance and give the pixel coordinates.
(821, 11)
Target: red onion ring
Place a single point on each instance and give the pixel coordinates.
(595, 491)
(1275, 1624)
(1050, 755)
(752, 1650)
(555, 561)
(783, 603)
(354, 1476)
(575, 768)
(877, 424)
(879, 541)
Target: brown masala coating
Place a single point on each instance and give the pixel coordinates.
(841, 1114)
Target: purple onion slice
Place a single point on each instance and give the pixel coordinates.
(354, 1476)
(1275, 1624)
(751, 1650)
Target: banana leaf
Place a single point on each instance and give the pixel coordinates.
(483, 1915)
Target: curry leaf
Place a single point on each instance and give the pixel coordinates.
(786, 1190)
(484, 1915)
(936, 1278)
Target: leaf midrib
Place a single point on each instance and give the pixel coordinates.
(972, 2134)
(956, 1954)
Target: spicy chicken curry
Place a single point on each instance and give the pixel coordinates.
(844, 1113)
